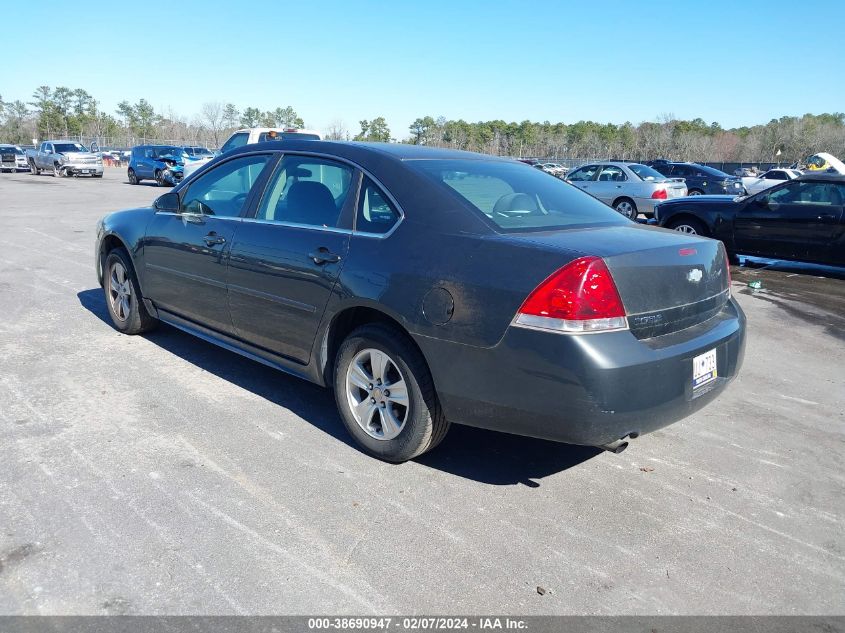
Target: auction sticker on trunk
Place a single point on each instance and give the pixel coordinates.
(704, 369)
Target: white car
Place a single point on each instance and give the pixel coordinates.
(248, 136)
(756, 184)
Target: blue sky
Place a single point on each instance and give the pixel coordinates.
(733, 62)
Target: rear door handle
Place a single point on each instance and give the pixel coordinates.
(212, 239)
(323, 256)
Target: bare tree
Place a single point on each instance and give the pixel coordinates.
(337, 131)
(213, 115)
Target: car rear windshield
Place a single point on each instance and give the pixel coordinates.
(645, 173)
(713, 171)
(62, 148)
(287, 136)
(516, 197)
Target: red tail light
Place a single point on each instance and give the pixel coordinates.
(580, 297)
(659, 194)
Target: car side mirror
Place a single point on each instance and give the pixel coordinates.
(167, 202)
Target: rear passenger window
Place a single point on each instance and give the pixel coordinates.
(376, 214)
(306, 190)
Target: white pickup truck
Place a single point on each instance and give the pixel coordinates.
(65, 158)
(248, 136)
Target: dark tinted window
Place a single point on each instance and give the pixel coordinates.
(775, 175)
(376, 214)
(282, 136)
(815, 193)
(516, 197)
(306, 190)
(62, 148)
(222, 191)
(238, 140)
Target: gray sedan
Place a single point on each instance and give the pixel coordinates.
(630, 188)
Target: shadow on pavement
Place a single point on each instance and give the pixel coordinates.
(484, 456)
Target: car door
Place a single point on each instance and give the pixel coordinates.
(584, 177)
(609, 184)
(186, 252)
(797, 220)
(286, 259)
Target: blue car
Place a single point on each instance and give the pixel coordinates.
(162, 163)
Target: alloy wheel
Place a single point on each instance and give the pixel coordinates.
(686, 228)
(626, 209)
(377, 394)
(120, 291)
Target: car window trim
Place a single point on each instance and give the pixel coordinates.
(358, 201)
(359, 173)
(180, 190)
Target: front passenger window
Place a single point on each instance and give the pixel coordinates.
(222, 191)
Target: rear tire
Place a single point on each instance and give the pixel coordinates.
(626, 207)
(123, 295)
(393, 426)
(133, 178)
(33, 169)
(690, 226)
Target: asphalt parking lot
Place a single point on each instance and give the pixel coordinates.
(160, 474)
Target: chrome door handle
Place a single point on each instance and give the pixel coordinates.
(323, 256)
(212, 239)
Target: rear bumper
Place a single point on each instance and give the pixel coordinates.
(587, 389)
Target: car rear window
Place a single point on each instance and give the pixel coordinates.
(645, 172)
(516, 197)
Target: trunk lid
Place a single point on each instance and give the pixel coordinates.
(668, 281)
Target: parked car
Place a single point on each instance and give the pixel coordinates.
(552, 168)
(630, 188)
(756, 184)
(700, 179)
(64, 158)
(250, 136)
(800, 219)
(397, 275)
(195, 152)
(162, 163)
(12, 158)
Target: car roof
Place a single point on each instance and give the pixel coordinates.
(360, 151)
(823, 177)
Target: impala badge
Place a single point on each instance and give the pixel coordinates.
(694, 276)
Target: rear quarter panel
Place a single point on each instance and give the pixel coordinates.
(417, 272)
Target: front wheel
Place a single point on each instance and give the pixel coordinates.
(690, 226)
(386, 396)
(123, 295)
(160, 178)
(58, 171)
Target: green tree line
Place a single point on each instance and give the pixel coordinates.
(53, 112)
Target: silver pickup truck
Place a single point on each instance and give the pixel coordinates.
(65, 158)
